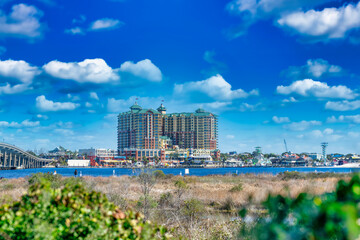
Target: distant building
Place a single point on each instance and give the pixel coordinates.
(78, 163)
(148, 132)
(98, 152)
(314, 156)
(57, 152)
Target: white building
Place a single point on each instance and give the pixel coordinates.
(99, 152)
(315, 156)
(78, 162)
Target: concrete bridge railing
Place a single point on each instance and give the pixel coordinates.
(14, 157)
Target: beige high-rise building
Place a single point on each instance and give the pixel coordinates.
(142, 128)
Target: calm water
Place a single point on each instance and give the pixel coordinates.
(105, 172)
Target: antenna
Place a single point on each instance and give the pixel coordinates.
(286, 146)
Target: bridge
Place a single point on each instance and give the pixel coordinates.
(12, 157)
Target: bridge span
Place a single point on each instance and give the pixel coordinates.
(12, 157)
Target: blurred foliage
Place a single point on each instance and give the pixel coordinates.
(311, 175)
(228, 204)
(70, 212)
(193, 208)
(237, 188)
(330, 216)
(159, 174)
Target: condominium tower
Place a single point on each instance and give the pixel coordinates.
(145, 129)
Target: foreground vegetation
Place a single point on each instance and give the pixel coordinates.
(285, 206)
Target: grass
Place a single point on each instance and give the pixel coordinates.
(217, 197)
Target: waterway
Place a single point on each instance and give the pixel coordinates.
(107, 172)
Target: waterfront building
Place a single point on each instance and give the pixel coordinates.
(148, 132)
(196, 130)
(314, 156)
(78, 162)
(98, 152)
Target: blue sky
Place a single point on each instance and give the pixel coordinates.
(271, 69)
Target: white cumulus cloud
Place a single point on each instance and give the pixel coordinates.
(16, 76)
(302, 125)
(251, 11)
(49, 106)
(75, 31)
(311, 88)
(98, 71)
(143, 69)
(215, 87)
(343, 105)
(25, 123)
(322, 25)
(277, 119)
(344, 118)
(94, 95)
(23, 21)
(90, 70)
(314, 68)
(19, 70)
(105, 23)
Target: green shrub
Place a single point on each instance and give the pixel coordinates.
(330, 216)
(150, 202)
(8, 186)
(54, 180)
(71, 213)
(237, 188)
(159, 174)
(193, 208)
(166, 199)
(180, 184)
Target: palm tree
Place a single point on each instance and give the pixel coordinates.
(145, 160)
(157, 160)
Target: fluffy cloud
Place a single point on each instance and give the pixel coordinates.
(289, 100)
(75, 31)
(90, 70)
(215, 87)
(328, 133)
(17, 76)
(342, 118)
(64, 132)
(314, 68)
(329, 23)
(8, 89)
(97, 71)
(143, 69)
(277, 119)
(23, 21)
(25, 123)
(246, 107)
(19, 70)
(302, 125)
(252, 11)
(311, 88)
(105, 23)
(47, 105)
(94, 95)
(343, 105)
(120, 105)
